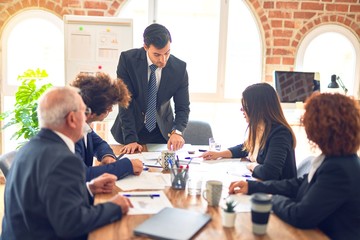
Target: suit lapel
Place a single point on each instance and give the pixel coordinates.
(89, 150)
(143, 72)
(165, 85)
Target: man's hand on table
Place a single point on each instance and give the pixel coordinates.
(175, 142)
(137, 165)
(103, 184)
(123, 202)
(131, 148)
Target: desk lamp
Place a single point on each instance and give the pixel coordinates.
(335, 81)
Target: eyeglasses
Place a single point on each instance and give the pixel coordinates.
(87, 111)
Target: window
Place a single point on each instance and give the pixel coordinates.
(331, 49)
(213, 42)
(32, 39)
(220, 42)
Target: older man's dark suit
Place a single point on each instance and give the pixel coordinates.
(133, 70)
(46, 196)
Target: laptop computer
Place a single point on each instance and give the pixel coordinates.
(173, 223)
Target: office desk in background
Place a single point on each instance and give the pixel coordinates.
(277, 229)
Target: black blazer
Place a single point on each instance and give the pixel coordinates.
(99, 148)
(174, 83)
(330, 202)
(276, 159)
(46, 196)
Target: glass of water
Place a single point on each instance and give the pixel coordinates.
(213, 145)
(194, 185)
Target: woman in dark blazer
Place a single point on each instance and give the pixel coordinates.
(271, 141)
(328, 197)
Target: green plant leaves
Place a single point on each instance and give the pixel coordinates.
(24, 115)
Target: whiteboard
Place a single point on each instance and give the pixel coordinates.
(93, 44)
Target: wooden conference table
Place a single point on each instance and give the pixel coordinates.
(277, 229)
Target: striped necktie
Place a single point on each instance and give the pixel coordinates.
(150, 122)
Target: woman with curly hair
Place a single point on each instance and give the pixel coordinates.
(328, 197)
(271, 141)
(99, 92)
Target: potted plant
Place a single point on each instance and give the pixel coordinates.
(24, 115)
(228, 213)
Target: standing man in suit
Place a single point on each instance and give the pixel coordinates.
(100, 93)
(143, 70)
(45, 195)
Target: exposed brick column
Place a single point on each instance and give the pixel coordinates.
(285, 24)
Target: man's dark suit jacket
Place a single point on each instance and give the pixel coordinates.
(97, 147)
(330, 202)
(276, 159)
(174, 83)
(46, 196)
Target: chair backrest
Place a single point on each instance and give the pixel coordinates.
(6, 160)
(304, 166)
(198, 133)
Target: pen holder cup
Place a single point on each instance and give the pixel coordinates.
(179, 177)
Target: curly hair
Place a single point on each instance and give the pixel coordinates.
(100, 92)
(332, 122)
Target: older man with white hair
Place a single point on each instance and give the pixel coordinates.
(45, 195)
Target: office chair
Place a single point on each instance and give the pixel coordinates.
(5, 161)
(304, 166)
(198, 133)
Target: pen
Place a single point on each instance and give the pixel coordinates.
(246, 175)
(120, 156)
(142, 195)
(187, 166)
(177, 161)
(151, 165)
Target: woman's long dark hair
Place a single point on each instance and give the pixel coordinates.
(262, 105)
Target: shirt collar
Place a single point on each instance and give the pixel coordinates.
(149, 62)
(67, 140)
(87, 128)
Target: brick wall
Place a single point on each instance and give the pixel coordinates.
(283, 23)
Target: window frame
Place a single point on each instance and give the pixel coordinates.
(311, 35)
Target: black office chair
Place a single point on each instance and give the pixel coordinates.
(5, 161)
(304, 166)
(198, 133)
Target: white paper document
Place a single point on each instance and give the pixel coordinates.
(147, 202)
(146, 181)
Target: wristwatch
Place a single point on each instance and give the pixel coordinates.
(175, 131)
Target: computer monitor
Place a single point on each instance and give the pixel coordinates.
(296, 86)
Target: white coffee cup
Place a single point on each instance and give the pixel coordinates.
(212, 193)
(166, 157)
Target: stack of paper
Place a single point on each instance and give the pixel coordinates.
(145, 181)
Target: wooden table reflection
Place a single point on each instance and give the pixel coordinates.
(277, 229)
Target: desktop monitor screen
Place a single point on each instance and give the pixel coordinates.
(296, 86)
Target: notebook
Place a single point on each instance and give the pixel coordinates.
(173, 223)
